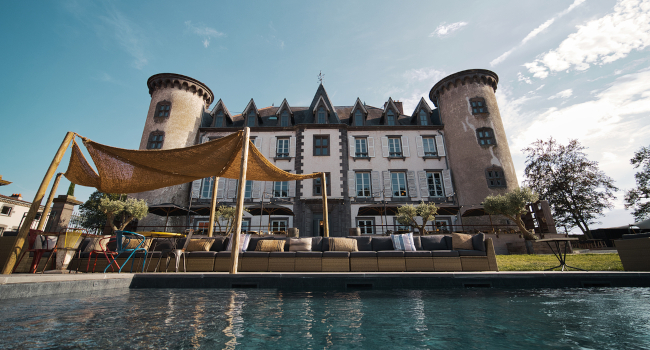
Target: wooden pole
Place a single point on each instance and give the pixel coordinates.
(27, 224)
(323, 190)
(241, 188)
(48, 204)
(215, 188)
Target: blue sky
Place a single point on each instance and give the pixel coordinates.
(570, 69)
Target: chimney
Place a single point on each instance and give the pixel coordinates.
(17, 196)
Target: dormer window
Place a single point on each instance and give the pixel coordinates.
(251, 119)
(358, 118)
(284, 118)
(322, 116)
(478, 105)
(390, 117)
(218, 120)
(424, 117)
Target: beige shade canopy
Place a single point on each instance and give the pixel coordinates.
(130, 171)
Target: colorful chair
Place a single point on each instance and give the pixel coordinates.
(122, 238)
(106, 253)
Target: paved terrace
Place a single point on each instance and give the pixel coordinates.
(31, 285)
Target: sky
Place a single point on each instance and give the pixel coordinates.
(572, 69)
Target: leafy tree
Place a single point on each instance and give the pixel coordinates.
(407, 214)
(92, 216)
(123, 210)
(227, 214)
(637, 198)
(512, 205)
(576, 189)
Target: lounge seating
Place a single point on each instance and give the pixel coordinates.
(633, 251)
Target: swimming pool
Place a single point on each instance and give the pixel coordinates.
(598, 318)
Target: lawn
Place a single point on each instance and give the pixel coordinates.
(589, 262)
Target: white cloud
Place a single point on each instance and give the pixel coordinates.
(205, 32)
(431, 75)
(444, 30)
(128, 35)
(562, 94)
(525, 79)
(535, 32)
(600, 41)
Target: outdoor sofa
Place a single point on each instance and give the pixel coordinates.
(375, 254)
(633, 251)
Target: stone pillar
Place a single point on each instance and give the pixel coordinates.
(63, 207)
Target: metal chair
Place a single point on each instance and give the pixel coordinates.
(106, 253)
(177, 253)
(38, 253)
(121, 239)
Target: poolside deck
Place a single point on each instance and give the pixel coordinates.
(30, 285)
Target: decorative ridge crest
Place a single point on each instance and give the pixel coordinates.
(481, 76)
(164, 80)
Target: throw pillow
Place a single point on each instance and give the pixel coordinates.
(403, 242)
(460, 241)
(478, 241)
(300, 244)
(343, 245)
(270, 245)
(199, 245)
(244, 239)
(132, 243)
(97, 243)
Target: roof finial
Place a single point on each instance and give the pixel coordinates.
(320, 77)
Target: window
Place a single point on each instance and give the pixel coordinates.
(363, 185)
(358, 118)
(278, 225)
(390, 117)
(282, 150)
(281, 189)
(361, 147)
(429, 144)
(218, 120)
(163, 109)
(321, 145)
(398, 183)
(248, 191)
(366, 225)
(251, 119)
(443, 225)
(284, 118)
(485, 137)
(394, 147)
(245, 225)
(156, 140)
(6, 210)
(478, 105)
(318, 188)
(434, 180)
(206, 190)
(495, 177)
(424, 117)
(322, 115)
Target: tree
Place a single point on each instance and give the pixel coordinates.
(637, 198)
(71, 190)
(227, 214)
(407, 214)
(92, 216)
(576, 189)
(123, 210)
(512, 205)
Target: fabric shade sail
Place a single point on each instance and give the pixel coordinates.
(129, 171)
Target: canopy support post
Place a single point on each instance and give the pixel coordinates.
(215, 188)
(323, 190)
(33, 210)
(48, 204)
(241, 187)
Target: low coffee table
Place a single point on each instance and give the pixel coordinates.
(557, 251)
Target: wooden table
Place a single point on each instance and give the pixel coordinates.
(561, 257)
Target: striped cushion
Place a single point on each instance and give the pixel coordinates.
(403, 242)
(244, 239)
(270, 245)
(343, 245)
(299, 244)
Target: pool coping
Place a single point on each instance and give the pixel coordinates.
(26, 285)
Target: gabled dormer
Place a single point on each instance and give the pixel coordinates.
(422, 114)
(391, 113)
(251, 115)
(221, 117)
(359, 114)
(321, 108)
(284, 115)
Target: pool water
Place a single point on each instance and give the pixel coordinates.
(592, 318)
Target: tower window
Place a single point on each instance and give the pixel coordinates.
(358, 118)
(156, 139)
(478, 105)
(390, 118)
(424, 117)
(322, 116)
(163, 109)
(495, 177)
(284, 118)
(485, 137)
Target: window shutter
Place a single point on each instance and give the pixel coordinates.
(440, 145)
(268, 187)
(352, 146)
(446, 181)
(406, 152)
(196, 188)
(419, 145)
(387, 189)
(272, 147)
(371, 146)
(257, 189)
(258, 143)
(375, 179)
(352, 184)
(412, 186)
(222, 187)
(232, 188)
(292, 189)
(384, 146)
(424, 185)
(292, 147)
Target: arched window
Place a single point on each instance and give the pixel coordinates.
(424, 117)
(163, 109)
(322, 116)
(251, 119)
(478, 105)
(156, 139)
(218, 120)
(495, 177)
(485, 137)
(390, 117)
(358, 118)
(284, 118)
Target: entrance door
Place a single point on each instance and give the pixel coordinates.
(317, 224)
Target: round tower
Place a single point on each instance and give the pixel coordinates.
(479, 156)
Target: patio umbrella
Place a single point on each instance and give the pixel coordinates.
(474, 212)
(169, 209)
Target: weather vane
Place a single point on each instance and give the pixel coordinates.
(320, 77)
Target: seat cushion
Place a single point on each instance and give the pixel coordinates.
(270, 245)
(199, 245)
(478, 242)
(300, 244)
(444, 253)
(434, 242)
(226, 254)
(340, 244)
(244, 240)
(364, 243)
(252, 245)
(418, 254)
(370, 254)
(218, 244)
(282, 254)
(390, 254)
(403, 242)
(382, 243)
(461, 241)
(256, 254)
(471, 253)
(309, 254)
(201, 254)
(417, 242)
(334, 254)
(317, 244)
(160, 244)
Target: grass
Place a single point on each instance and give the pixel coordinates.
(589, 262)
